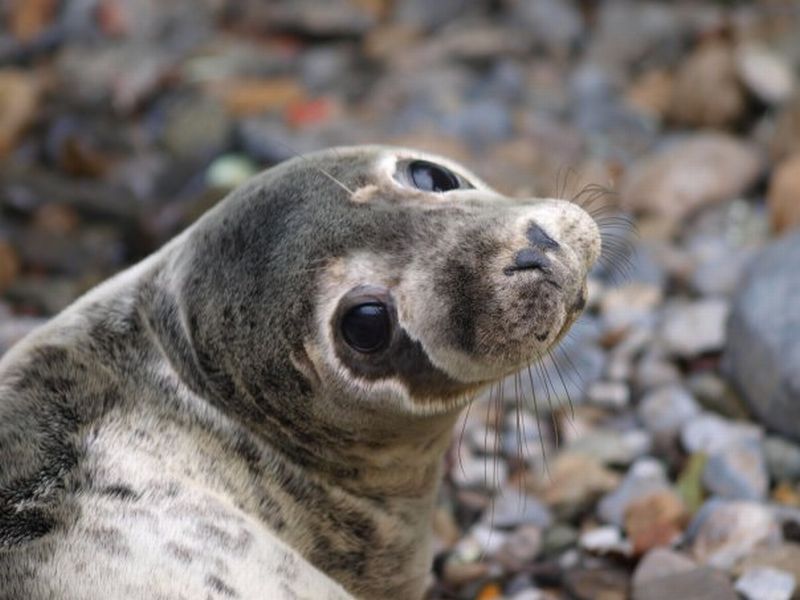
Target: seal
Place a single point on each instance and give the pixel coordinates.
(260, 408)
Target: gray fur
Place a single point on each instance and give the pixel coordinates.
(194, 427)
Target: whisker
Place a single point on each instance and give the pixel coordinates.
(547, 387)
(461, 439)
(538, 421)
(563, 384)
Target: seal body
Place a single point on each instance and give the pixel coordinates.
(259, 409)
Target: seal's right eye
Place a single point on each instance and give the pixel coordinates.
(430, 177)
(367, 327)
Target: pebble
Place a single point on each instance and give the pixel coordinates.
(716, 395)
(458, 573)
(555, 24)
(782, 557)
(711, 433)
(766, 583)
(626, 306)
(489, 538)
(614, 395)
(485, 472)
(766, 74)
(657, 519)
(559, 538)
(230, 171)
(719, 265)
(510, 509)
(529, 594)
(737, 471)
(424, 15)
(700, 170)
(701, 583)
(783, 458)
(645, 477)
(654, 371)
(784, 210)
(9, 264)
(19, 101)
(575, 481)
(605, 540)
(730, 531)
(479, 123)
(658, 43)
(520, 548)
(660, 562)
(610, 447)
(707, 91)
(692, 328)
(590, 584)
(785, 137)
(337, 18)
(664, 410)
(185, 140)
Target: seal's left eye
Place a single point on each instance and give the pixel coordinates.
(430, 177)
(367, 328)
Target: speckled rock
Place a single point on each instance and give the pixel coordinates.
(737, 471)
(784, 557)
(729, 531)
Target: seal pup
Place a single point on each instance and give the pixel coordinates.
(260, 408)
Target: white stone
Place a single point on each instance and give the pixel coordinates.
(765, 73)
(766, 583)
(692, 328)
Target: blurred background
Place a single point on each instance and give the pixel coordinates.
(665, 459)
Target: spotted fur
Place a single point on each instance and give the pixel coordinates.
(196, 428)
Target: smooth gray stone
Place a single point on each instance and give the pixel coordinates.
(762, 355)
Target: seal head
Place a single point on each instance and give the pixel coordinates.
(398, 280)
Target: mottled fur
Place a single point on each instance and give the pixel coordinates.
(195, 428)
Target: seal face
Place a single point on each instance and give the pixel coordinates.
(263, 404)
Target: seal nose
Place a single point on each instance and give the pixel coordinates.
(534, 257)
(561, 227)
(530, 258)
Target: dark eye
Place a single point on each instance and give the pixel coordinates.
(430, 177)
(366, 328)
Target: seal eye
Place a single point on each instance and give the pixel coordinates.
(430, 177)
(366, 328)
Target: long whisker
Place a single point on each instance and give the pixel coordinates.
(538, 420)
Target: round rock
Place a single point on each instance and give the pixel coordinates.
(763, 337)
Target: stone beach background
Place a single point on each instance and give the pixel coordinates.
(656, 454)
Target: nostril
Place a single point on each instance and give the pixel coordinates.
(529, 258)
(539, 239)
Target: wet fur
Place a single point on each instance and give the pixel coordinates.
(193, 428)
